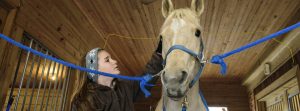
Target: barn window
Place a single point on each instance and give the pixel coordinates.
(38, 84)
(217, 108)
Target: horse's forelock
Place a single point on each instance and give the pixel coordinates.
(185, 14)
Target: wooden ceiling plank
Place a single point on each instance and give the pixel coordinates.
(129, 30)
(43, 34)
(45, 20)
(259, 32)
(227, 26)
(271, 25)
(212, 39)
(207, 23)
(243, 8)
(93, 15)
(252, 22)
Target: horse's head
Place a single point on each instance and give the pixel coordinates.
(181, 27)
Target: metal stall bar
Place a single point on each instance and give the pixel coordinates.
(40, 84)
(280, 106)
(66, 90)
(29, 78)
(292, 104)
(55, 86)
(34, 80)
(45, 85)
(63, 90)
(11, 97)
(276, 106)
(49, 88)
(22, 78)
(297, 102)
(59, 87)
(29, 68)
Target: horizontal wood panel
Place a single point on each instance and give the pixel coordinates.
(71, 28)
(218, 92)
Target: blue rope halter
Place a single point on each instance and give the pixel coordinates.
(200, 58)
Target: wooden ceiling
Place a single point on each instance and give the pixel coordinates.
(72, 27)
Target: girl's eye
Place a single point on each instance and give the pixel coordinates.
(107, 60)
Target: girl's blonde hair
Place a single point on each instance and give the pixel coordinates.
(80, 83)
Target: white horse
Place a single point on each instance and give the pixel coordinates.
(180, 75)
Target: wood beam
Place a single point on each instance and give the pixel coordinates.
(7, 29)
(10, 4)
(9, 54)
(298, 71)
(8, 65)
(277, 83)
(276, 58)
(298, 77)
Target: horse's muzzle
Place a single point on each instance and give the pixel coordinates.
(179, 79)
(175, 94)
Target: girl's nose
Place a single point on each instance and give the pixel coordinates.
(114, 61)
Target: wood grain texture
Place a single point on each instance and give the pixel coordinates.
(72, 27)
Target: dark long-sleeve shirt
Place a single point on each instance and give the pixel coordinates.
(97, 97)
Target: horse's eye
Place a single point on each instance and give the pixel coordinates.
(197, 33)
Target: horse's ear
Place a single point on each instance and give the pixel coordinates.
(198, 6)
(167, 7)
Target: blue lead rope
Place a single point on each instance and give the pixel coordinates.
(219, 59)
(143, 80)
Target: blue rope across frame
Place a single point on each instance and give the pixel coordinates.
(143, 80)
(219, 59)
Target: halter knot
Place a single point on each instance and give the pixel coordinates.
(144, 82)
(217, 59)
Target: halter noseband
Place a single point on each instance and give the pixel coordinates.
(200, 59)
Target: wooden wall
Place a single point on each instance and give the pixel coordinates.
(72, 27)
(9, 13)
(62, 26)
(8, 53)
(228, 93)
(288, 65)
(218, 92)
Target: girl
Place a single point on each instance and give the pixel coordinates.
(101, 93)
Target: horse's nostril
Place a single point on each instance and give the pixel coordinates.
(184, 72)
(183, 76)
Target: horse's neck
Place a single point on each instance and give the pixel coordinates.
(193, 100)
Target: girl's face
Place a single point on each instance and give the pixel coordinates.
(106, 63)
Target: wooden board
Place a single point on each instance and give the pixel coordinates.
(72, 27)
